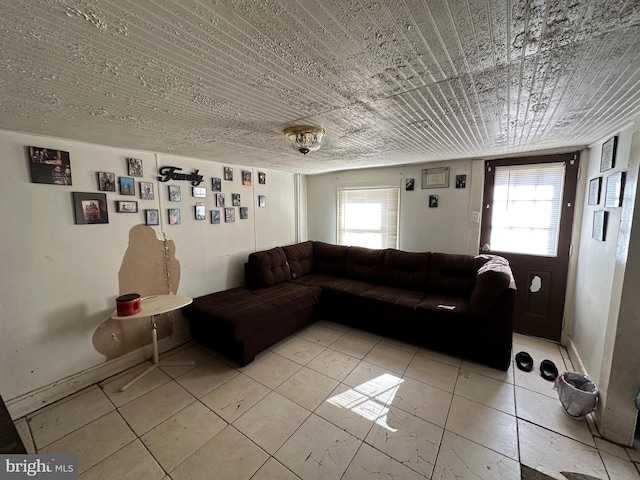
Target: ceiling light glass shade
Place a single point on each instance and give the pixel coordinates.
(305, 138)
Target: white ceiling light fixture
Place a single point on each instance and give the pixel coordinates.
(305, 138)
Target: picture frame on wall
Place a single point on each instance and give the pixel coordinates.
(461, 181)
(435, 177)
(229, 214)
(106, 182)
(126, 206)
(608, 155)
(90, 208)
(200, 192)
(216, 184)
(595, 185)
(235, 199)
(219, 199)
(174, 193)
(228, 173)
(201, 213)
(599, 229)
(152, 216)
(127, 186)
(174, 216)
(433, 201)
(246, 178)
(409, 184)
(262, 201)
(615, 190)
(244, 213)
(215, 217)
(134, 167)
(49, 166)
(146, 190)
(262, 178)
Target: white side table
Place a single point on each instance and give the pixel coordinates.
(153, 306)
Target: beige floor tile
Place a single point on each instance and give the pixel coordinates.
(94, 442)
(272, 370)
(408, 439)
(365, 334)
(25, 434)
(611, 448)
(150, 381)
(547, 412)
(271, 421)
(432, 372)
(439, 356)
(178, 437)
(352, 411)
(155, 407)
(353, 345)
(274, 470)
(487, 391)
(68, 415)
(634, 454)
(193, 353)
(551, 453)
(528, 343)
(460, 458)
(427, 402)
(322, 335)
(229, 456)
(484, 425)
(132, 462)
(619, 469)
(307, 388)
(366, 373)
(206, 376)
(300, 350)
(232, 399)
(336, 326)
(318, 449)
(371, 464)
(494, 373)
(534, 382)
(389, 357)
(336, 365)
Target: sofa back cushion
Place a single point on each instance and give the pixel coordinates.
(406, 270)
(365, 264)
(300, 258)
(266, 269)
(454, 275)
(330, 259)
(493, 278)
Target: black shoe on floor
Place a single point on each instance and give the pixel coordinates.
(548, 370)
(524, 361)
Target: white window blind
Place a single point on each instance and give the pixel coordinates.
(368, 217)
(527, 201)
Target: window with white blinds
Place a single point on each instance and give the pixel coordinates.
(527, 201)
(368, 217)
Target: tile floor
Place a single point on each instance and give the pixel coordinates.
(328, 403)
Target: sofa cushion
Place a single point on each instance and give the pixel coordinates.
(451, 274)
(364, 264)
(330, 259)
(406, 269)
(493, 278)
(267, 268)
(300, 258)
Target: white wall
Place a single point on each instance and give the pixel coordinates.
(445, 229)
(60, 280)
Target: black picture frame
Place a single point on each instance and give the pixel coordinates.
(216, 184)
(174, 216)
(244, 213)
(599, 229)
(615, 190)
(262, 178)
(215, 217)
(127, 186)
(228, 173)
(608, 154)
(433, 201)
(106, 181)
(201, 213)
(146, 190)
(134, 167)
(246, 178)
(219, 200)
(229, 214)
(461, 181)
(235, 199)
(595, 185)
(90, 208)
(409, 184)
(49, 166)
(174, 193)
(126, 206)
(262, 201)
(199, 192)
(152, 216)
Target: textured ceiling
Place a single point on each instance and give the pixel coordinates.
(392, 82)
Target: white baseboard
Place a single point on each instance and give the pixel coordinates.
(575, 357)
(30, 402)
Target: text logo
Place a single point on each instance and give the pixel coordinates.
(56, 467)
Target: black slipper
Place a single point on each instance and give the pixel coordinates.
(524, 361)
(548, 370)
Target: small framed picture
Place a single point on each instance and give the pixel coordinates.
(199, 192)
(134, 166)
(219, 199)
(595, 185)
(152, 216)
(228, 173)
(106, 182)
(262, 178)
(599, 231)
(49, 166)
(90, 208)
(146, 190)
(244, 213)
(235, 199)
(127, 206)
(262, 201)
(461, 181)
(433, 201)
(174, 193)
(608, 155)
(246, 178)
(127, 186)
(615, 190)
(409, 184)
(201, 214)
(174, 216)
(229, 214)
(216, 184)
(435, 177)
(215, 216)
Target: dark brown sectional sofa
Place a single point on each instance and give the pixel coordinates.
(457, 304)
